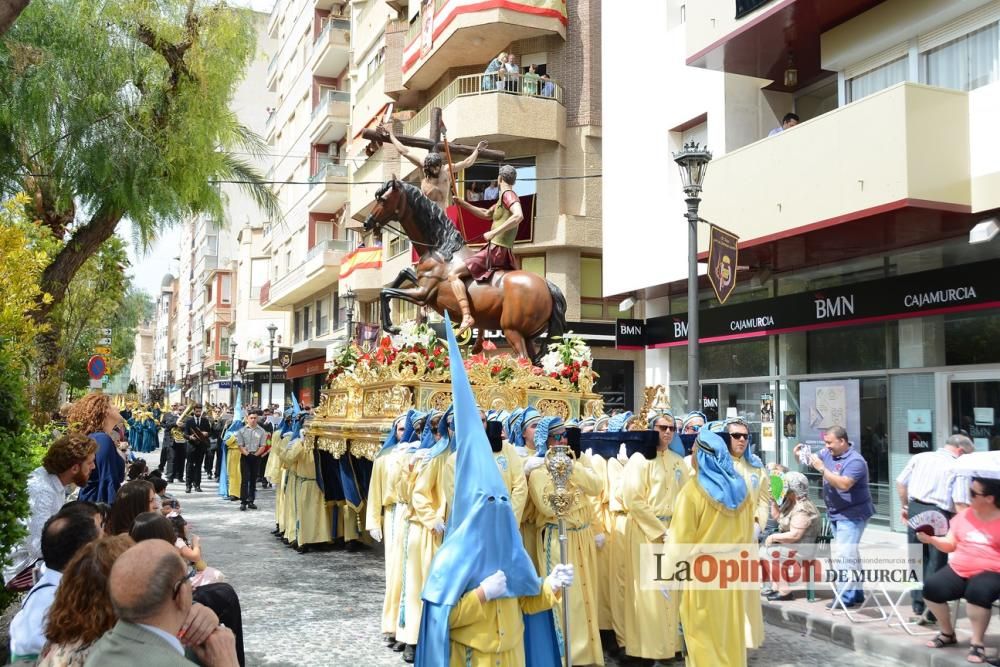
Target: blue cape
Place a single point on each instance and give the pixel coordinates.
(391, 442)
(232, 430)
(483, 536)
(108, 473)
(445, 443)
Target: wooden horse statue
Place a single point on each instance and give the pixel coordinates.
(520, 303)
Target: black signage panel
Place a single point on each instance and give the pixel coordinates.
(630, 334)
(965, 287)
(920, 441)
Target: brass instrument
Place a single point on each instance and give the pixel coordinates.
(177, 432)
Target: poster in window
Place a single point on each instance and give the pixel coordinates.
(828, 403)
(790, 428)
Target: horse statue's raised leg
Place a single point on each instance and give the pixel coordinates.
(407, 274)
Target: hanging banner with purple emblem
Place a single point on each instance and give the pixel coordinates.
(722, 256)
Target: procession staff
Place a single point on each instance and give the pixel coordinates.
(585, 638)
(649, 490)
(711, 509)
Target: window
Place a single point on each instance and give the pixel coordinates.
(211, 245)
(966, 63)
(876, 79)
(338, 316)
(591, 289)
(296, 332)
(225, 288)
(324, 231)
(288, 261)
(398, 245)
(322, 321)
(208, 293)
(533, 263)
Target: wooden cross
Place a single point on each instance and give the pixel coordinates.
(434, 144)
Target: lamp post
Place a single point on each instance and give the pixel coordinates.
(232, 373)
(349, 298)
(693, 162)
(271, 330)
(183, 380)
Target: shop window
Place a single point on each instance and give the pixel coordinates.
(746, 358)
(847, 349)
(971, 338)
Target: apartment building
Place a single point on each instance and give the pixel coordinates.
(307, 132)
(165, 335)
(141, 370)
(861, 299)
(415, 56)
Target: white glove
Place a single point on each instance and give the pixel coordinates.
(590, 451)
(756, 532)
(562, 577)
(532, 463)
(600, 539)
(439, 528)
(495, 585)
(622, 453)
(421, 454)
(376, 534)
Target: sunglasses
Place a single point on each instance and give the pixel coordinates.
(187, 577)
(979, 494)
(665, 428)
(558, 437)
(739, 436)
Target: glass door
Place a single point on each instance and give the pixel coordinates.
(975, 411)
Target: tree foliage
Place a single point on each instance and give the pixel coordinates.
(15, 454)
(113, 109)
(22, 263)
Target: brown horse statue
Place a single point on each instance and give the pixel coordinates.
(521, 304)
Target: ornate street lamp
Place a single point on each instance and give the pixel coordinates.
(271, 330)
(349, 298)
(693, 162)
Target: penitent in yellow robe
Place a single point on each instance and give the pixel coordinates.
(491, 634)
(427, 508)
(381, 514)
(650, 490)
(602, 524)
(312, 514)
(530, 522)
(233, 466)
(759, 492)
(713, 620)
(585, 638)
(276, 473)
(617, 548)
(511, 469)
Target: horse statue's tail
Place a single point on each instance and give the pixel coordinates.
(557, 319)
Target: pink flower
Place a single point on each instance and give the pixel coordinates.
(489, 345)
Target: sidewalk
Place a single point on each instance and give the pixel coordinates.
(876, 637)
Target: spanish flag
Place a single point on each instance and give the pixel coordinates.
(362, 258)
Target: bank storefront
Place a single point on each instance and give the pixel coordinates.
(902, 351)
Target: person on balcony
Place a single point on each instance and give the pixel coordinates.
(498, 253)
(789, 120)
(436, 181)
(548, 88)
(513, 78)
(495, 72)
(530, 81)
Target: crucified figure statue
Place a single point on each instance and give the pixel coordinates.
(437, 181)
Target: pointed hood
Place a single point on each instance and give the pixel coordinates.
(483, 535)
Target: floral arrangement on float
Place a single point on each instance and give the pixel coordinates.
(416, 353)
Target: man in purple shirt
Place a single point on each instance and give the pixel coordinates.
(848, 504)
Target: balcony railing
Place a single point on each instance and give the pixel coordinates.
(370, 81)
(271, 65)
(330, 244)
(486, 84)
(328, 96)
(328, 25)
(327, 170)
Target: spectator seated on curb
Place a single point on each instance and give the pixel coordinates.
(62, 537)
(151, 594)
(799, 523)
(81, 612)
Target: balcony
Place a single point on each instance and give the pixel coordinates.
(273, 20)
(330, 117)
(324, 4)
(759, 42)
(478, 106)
(272, 74)
(906, 146)
(331, 50)
(361, 271)
(459, 32)
(370, 98)
(320, 269)
(328, 189)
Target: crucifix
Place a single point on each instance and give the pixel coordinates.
(438, 174)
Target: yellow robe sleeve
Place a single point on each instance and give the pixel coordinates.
(545, 599)
(468, 611)
(586, 479)
(635, 494)
(426, 509)
(373, 513)
(518, 482)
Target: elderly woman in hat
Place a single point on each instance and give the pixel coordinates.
(799, 523)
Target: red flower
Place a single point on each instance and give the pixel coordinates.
(385, 343)
(489, 345)
(575, 378)
(495, 370)
(430, 365)
(447, 363)
(584, 364)
(555, 375)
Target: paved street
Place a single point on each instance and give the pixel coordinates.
(323, 608)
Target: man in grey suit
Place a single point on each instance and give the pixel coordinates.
(150, 588)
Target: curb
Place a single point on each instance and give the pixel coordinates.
(856, 637)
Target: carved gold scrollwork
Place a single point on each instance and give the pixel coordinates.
(553, 407)
(439, 400)
(365, 449)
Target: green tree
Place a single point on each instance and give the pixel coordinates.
(119, 109)
(15, 457)
(22, 263)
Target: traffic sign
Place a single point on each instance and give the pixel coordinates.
(104, 351)
(97, 367)
(104, 341)
(96, 384)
